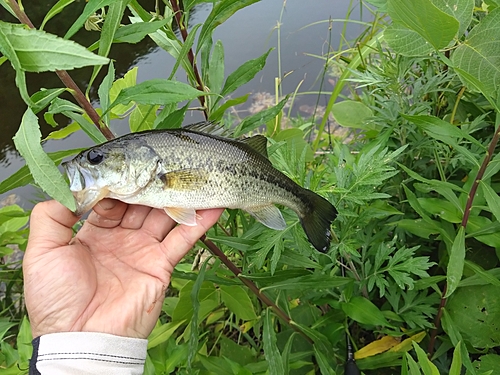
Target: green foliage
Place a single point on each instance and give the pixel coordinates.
(416, 189)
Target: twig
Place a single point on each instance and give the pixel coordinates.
(465, 219)
(199, 83)
(66, 79)
(250, 285)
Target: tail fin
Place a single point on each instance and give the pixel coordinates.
(317, 219)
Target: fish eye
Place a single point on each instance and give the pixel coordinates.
(95, 157)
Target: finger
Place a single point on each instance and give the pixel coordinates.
(134, 216)
(108, 213)
(158, 224)
(50, 226)
(182, 238)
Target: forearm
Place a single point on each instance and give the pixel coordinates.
(82, 353)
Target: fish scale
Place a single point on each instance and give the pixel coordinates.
(182, 170)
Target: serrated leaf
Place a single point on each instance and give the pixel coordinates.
(455, 267)
(237, 301)
(422, 16)
(364, 311)
(157, 91)
(43, 169)
(271, 351)
(244, 74)
(221, 12)
(479, 55)
(38, 51)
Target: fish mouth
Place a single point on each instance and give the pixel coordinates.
(83, 188)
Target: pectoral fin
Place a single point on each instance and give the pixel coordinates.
(268, 215)
(186, 216)
(184, 179)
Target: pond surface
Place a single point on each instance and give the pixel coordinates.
(304, 37)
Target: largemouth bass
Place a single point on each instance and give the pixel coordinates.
(183, 170)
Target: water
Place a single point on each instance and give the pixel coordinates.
(304, 34)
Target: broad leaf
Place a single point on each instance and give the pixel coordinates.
(364, 311)
(237, 301)
(423, 17)
(43, 169)
(406, 42)
(479, 55)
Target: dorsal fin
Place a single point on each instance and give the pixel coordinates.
(258, 143)
(208, 127)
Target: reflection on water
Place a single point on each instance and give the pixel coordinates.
(246, 35)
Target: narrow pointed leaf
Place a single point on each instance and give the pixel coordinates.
(38, 51)
(492, 199)
(237, 301)
(136, 32)
(157, 91)
(43, 169)
(55, 10)
(456, 263)
(271, 351)
(364, 311)
(91, 7)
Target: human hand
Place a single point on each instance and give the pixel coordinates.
(112, 276)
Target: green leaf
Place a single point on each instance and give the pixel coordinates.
(427, 366)
(55, 10)
(23, 176)
(215, 74)
(271, 351)
(422, 16)
(321, 359)
(441, 208)
(136, 32)
(310, 282)
(5, 325)
(43, 169)
(111, 24)
(42, 98)
(88, 127)
(38, 51)
(455, 267)
(221, 12)
(364, 311)
(217, 114)
(406, 42)
(142, 117)
(157, 91)
(172, 121)
(461, 10)
(237, 301)
(128, 80)
(244, 73)
(484, 275)
(258, 119)
(195, 301)
(183, 53)
(492, 199)
(91, 7)
(64, 132)
(351, 114)
(103, 92)
(162, 332)
(24, 347)
(479, 55)
(456, 362)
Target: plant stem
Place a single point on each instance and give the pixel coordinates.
(66, 79)
(465, 219)
(250, 285)
(199, 83)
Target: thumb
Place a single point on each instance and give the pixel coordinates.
(50, 226)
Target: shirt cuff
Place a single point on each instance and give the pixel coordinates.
(83, 353)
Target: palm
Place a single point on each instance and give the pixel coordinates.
(112, 276)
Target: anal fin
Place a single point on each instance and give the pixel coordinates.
(268, 215)
(186, 216)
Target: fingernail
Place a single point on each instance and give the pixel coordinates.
(107, 204)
